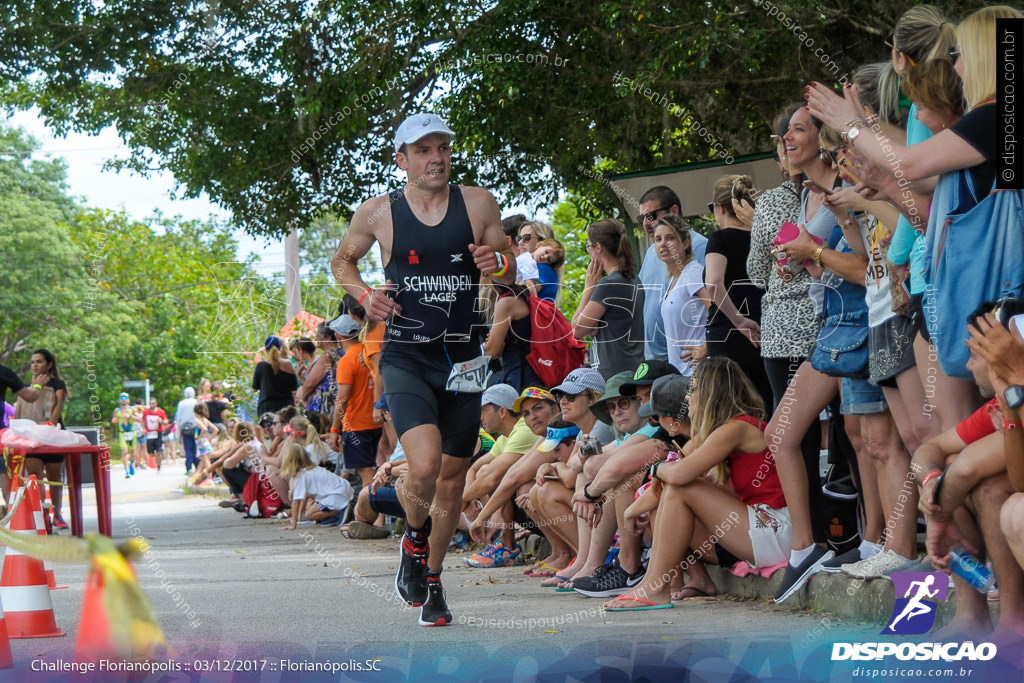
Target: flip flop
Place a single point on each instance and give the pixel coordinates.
(567, 589)
(644, 605)
(554, 585)
(698, 593)
(546, 571)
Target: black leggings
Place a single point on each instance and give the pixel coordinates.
(780, 372)
(236, 478)
(737, 347)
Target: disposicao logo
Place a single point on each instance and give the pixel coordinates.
(917, 598)
(914, 612)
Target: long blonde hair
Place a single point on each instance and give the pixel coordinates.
(274, 354)
(295, 459)
(302, 426)
(977, 38)
(724, 393)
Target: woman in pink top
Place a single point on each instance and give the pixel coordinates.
(695, 508)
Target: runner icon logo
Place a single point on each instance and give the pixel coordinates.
(917, 599)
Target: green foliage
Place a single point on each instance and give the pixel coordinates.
(282, 111)
(118, 299)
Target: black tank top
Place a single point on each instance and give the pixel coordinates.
(435, 274)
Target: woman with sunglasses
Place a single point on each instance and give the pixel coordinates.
(530, 236)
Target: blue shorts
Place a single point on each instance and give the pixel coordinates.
(360, 448)
(861, 397)
(385, 501)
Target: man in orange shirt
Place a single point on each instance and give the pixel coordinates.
(353, 409)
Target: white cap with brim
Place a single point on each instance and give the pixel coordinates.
(501, 395)
(556, 436)
(419, 126)
(344, 326)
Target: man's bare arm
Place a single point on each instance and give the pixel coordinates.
(356, 243)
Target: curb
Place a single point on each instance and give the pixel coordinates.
(855, 599)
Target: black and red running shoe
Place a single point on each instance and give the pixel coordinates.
(434, 611)
(411, 579)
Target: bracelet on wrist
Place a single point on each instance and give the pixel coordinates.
(852, 121)
(586, 494)
(928, 477)
(37, 386)
(335, 430)
(364, 295)
(817, 256)
(1007, 425)
(500, 258)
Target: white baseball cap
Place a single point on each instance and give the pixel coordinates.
(419, 126)
(344, 326)
(501, 395)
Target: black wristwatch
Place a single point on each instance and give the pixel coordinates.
(586, 494)
(654, 471)
(1014, 396)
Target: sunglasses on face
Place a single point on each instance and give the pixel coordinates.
(524, 238)
(620, 403)
(954, 54)
(711, 207)
(651, 215)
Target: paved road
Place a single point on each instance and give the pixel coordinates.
(228, 588)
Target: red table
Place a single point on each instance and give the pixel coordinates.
(101, 473)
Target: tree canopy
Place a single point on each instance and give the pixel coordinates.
(281, 110)
(115, 298)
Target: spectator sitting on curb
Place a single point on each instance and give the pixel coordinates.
(551, 506)
(577, 395)
(1003, 350)
(514, 439)
(633, 433)
(538, 407)
(973, 487)
(378, 499)
(728, 427)
(614, 479)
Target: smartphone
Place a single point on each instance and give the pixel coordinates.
(815, 187)
(551, 477)
(845, 163)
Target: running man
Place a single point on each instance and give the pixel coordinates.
(122, 420)
(436, 240)
(914, 606)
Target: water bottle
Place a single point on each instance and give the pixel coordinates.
(968, 568)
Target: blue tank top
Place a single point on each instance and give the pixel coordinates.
(435, 274)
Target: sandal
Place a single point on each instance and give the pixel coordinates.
(697, 593)
(361, 531)
(644, 605)
(558, 579)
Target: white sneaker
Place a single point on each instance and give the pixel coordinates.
(877, 566)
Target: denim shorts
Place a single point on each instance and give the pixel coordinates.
(861, 397)
(385, 501)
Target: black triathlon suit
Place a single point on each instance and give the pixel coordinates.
(437, 284)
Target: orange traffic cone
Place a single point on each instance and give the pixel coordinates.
(23, 587)
(38, 517)
(6, 658)
(94, 641)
